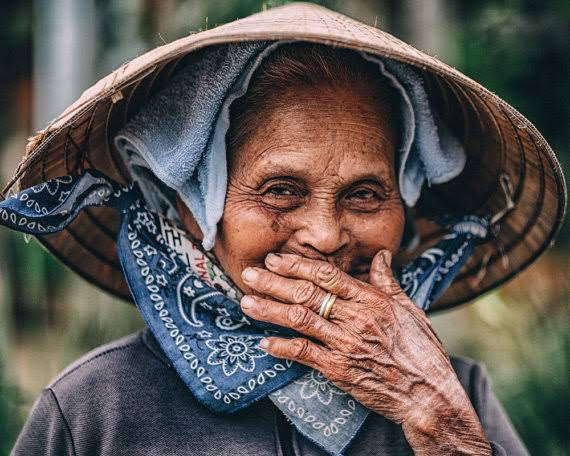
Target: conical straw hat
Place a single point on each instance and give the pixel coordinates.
(505, 151)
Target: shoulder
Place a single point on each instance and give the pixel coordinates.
(125, 398)
(87, 400)
(112, 378)
(464, 366)
(478, 385)
(127, 356)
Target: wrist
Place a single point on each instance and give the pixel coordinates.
(446, 425)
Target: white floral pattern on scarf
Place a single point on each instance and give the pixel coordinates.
(314, 383)
(234, 352)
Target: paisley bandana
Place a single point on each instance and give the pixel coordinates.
(192, 307)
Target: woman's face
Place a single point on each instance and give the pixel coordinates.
(315, 177)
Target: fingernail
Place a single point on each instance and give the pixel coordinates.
(263, 343)
(247, 302)
(387, 257)
(273, 259)
(249, 274)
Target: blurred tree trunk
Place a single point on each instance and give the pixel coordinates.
(156, 18)
(65, 42)
(426, 25)
(64, 45)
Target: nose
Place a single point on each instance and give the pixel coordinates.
(322, 231)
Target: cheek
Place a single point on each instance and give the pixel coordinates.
(246, 235)
(382, 231)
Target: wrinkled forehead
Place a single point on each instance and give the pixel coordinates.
(345, 130)
(314, 97)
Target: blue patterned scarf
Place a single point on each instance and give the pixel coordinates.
(193, 309)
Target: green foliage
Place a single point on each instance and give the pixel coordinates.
(519, 49)
(524, 57)
(10, 418)
(537, 400)
(15, 53)
(274, 3)
(35, 278)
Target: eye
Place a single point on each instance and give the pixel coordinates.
(282, 195)
(363, 198)
(281, 190)
(363, 194)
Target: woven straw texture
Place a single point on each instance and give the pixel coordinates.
(501, 144)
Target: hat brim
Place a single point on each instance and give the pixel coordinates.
(498, 140)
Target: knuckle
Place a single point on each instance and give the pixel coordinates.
(327, 274)
(292, 265)
(353, 344)
(304, 292)
(262, 280)
(262, 310)
(376, 299)
(368, 325)
(393, 289)
(299, 348)
(338, 366)
(299, 316)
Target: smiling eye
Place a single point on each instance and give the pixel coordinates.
(281, 190)
(364, 198)
(282, 196)
(362, 194)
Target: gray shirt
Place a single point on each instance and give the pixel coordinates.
(125, 399)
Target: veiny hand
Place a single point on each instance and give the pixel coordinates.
(376, 345)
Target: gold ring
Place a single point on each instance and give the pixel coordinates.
(326, 305)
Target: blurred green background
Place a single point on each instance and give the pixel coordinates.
(51, 50)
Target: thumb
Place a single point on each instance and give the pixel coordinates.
(381, 273)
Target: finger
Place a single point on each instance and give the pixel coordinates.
(301, 350)
(380, 269)
(381, 273)
(321, 273)
(284, 289)
(296, 317)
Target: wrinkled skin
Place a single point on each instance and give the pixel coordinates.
(313, 207)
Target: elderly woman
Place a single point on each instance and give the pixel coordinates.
(267, 187)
